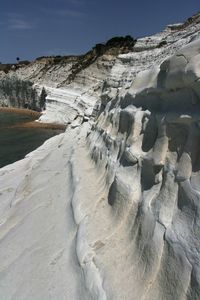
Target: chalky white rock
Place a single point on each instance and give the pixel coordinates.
(110, 209)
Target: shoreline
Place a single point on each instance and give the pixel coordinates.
(21, 111)
(31, 124)
(35, 124)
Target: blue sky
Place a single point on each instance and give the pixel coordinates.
(29, 29)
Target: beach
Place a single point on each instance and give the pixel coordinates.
(31, 124)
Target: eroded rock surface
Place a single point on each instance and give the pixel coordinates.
(110, 209)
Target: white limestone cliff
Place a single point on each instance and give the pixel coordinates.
(110, 209)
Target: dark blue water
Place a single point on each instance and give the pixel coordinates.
(15, 143)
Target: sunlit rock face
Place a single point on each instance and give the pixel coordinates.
(71, 90)
(148, 141)
(110, 208)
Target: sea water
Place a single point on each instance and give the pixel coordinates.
(16, 142)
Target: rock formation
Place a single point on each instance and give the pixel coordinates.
(110, 209)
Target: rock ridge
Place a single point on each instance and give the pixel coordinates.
(110, 209)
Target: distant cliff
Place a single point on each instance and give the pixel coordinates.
(17, 80)
(19, 93)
